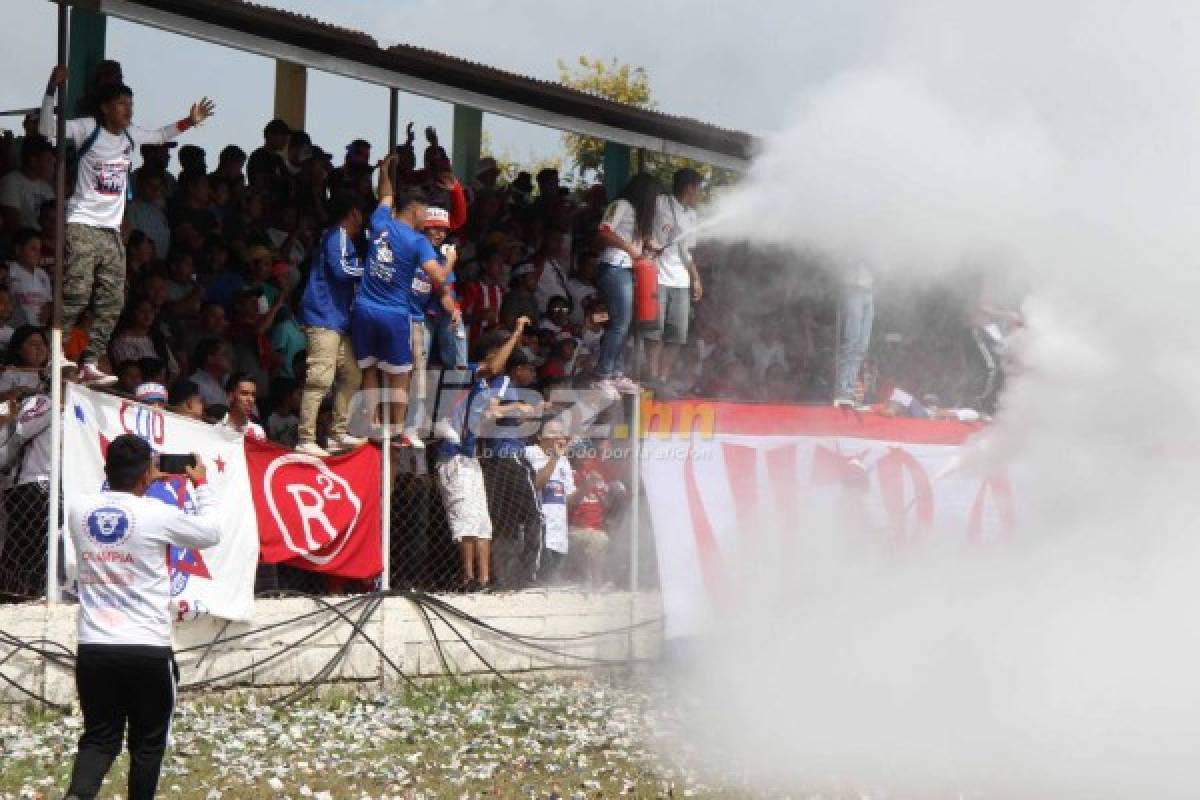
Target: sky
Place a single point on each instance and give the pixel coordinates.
(706, 60)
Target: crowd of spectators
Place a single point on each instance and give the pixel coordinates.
(222, 289)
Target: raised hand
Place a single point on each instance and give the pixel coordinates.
(201, 110)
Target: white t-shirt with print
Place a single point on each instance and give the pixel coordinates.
(621, 219)
(673, 226)
(25, 195)
(30, 290)
(103, 175)
(554, 496)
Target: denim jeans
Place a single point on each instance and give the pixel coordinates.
(440, 338)
(858, 312)
(616, 286)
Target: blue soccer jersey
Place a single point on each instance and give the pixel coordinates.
(394, 257)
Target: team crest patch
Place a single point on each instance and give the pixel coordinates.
(108, 526)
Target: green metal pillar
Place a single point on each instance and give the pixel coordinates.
(468, 139)
(616, 167)
(85, 51)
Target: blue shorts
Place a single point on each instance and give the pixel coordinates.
(382, 337)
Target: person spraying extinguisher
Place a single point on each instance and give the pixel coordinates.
(625, 230)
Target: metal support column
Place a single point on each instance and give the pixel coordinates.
(468, 139)
(56, 321)
(393, 119)
(291, 93)
(616, 167)
(86, 37)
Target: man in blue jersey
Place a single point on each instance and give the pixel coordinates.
(402, 270)
(325, 318)
(460, 479)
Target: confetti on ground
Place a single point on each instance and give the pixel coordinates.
(576, 739)
(584, 738)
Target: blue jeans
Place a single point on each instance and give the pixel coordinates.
(440, 338)
(616, 287)
(858, 312)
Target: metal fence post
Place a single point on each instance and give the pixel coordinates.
(635, 478)
(60, 180)
(385, 581)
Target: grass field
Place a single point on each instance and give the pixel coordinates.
(585, 738)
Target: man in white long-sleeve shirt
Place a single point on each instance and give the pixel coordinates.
(125, 669)
(95, 268)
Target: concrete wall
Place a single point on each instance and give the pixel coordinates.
(271, 657)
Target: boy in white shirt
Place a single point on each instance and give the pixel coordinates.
(555, 480)
(95, 268)
(28, 284)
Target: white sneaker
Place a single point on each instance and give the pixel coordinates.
(91, 375)
(608, 388)
(414, 438)
(312, 449)
(625, 385)
(445, 431)
(347, 442)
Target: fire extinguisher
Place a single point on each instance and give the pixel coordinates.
(645, 294)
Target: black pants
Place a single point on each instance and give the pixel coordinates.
(516, 520)
(121, 684)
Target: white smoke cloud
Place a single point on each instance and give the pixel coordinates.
(1064, 136)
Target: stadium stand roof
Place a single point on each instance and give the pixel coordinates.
(320, 45)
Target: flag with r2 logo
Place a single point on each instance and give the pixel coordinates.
(321, 515)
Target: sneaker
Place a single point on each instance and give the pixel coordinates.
(414, 438)
(66, 362)
(347, 442)
(625, 385)
(844, 402)
(91, 375)
(445, 431)
(312, 449)
(608, 388)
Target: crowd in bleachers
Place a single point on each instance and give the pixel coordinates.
(224, 289)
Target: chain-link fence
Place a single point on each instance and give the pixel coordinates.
(23, 524)
(593, 552)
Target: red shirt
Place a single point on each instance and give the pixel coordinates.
(478, 297)
(589, 512)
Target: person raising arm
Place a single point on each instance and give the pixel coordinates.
(95, 252)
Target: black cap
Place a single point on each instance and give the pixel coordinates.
(517, 359)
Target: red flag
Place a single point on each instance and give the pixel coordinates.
(317, 514)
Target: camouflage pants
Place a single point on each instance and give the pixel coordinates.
(95, 276)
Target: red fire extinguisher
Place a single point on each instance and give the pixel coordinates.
(645, 294)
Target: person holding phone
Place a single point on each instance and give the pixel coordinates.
(125, 668)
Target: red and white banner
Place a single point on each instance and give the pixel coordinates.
(759, 483)
(218, 580)
(318, 515)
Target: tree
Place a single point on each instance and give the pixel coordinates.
(630, 85)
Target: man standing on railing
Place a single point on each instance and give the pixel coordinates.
(325, 319)
(125, 668)
(95, 267)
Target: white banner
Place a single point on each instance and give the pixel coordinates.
(217, 581)
(761, 483)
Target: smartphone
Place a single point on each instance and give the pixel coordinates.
(175, 463)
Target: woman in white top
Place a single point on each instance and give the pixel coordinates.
(627, 225)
